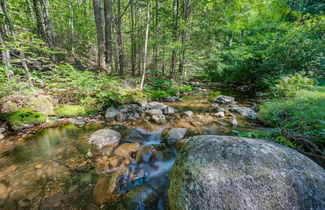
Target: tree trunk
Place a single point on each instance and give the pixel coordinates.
(108, 34)
(133, 44)
(4, 52)
(119, 38)
(40, 28)
(145, 47)
(155, 47)
(8, 24)
(99, 19)
(175, 26)
(48, 33)
(71, 26)
(183, 39)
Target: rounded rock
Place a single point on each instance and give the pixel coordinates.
(223, 172)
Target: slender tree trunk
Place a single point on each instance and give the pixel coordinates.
(155, 47)
(4, 52)
(48, 33)
(40, 28)
(175, 35)
(145, 46)
(183, 39)
(99, 19)
(119, 38)
(25, 65)
(108, 33)
(71, 26)
(8, 24)
(133, 44)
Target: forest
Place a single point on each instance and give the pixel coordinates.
(126, 104)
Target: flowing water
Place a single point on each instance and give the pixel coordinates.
(53, 170)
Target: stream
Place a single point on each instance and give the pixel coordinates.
(57, 169)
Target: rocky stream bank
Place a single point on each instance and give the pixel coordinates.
(124, 159)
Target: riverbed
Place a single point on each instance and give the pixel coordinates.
(56, 167)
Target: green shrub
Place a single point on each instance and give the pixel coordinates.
(134, 96)
(70, 110)
(185, 88)
(156, 95)
(23, 116)
(303, 114)
(289, 86)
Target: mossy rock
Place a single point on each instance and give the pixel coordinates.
(22, 117)
(70, 111)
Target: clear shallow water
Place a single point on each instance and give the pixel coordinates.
(51, 169)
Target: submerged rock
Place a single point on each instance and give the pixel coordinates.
(127, 149)
(223, 172)
(111, 113)
(1, 136)
(142, 197)
(106, 188)
(244, 111)
(105, 137)
(224, 99)
(171, 135)
(146, 153)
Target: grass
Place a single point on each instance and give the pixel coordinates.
(70, 111)
(302, 114)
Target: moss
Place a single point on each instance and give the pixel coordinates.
(70, 110)
(24, 116)
(134, 96)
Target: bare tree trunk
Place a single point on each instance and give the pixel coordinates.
(175, 26)
(145, 47)
(99, 19)
(8, 24)
(25, 65)
(183, 39)
(39, 23)
(48, 34)
(133, 44)
(4, 52)
(71, 26)
(119, 38)
(108, 33)
(155, 47)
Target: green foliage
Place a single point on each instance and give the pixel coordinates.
(273, 134)
(24, 116)
(303, 114)
(268, 51)
(133, 96)
(156, 95)
(70, 111)
(288, 86)
(185, 88)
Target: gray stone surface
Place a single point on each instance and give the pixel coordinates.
(172, 135)
(223, 172)
(224, 99)
(105, 137)
(111, 113)
(245, 112)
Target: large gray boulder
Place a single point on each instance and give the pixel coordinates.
(105, 137)
(245, 112)
(223, 172)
